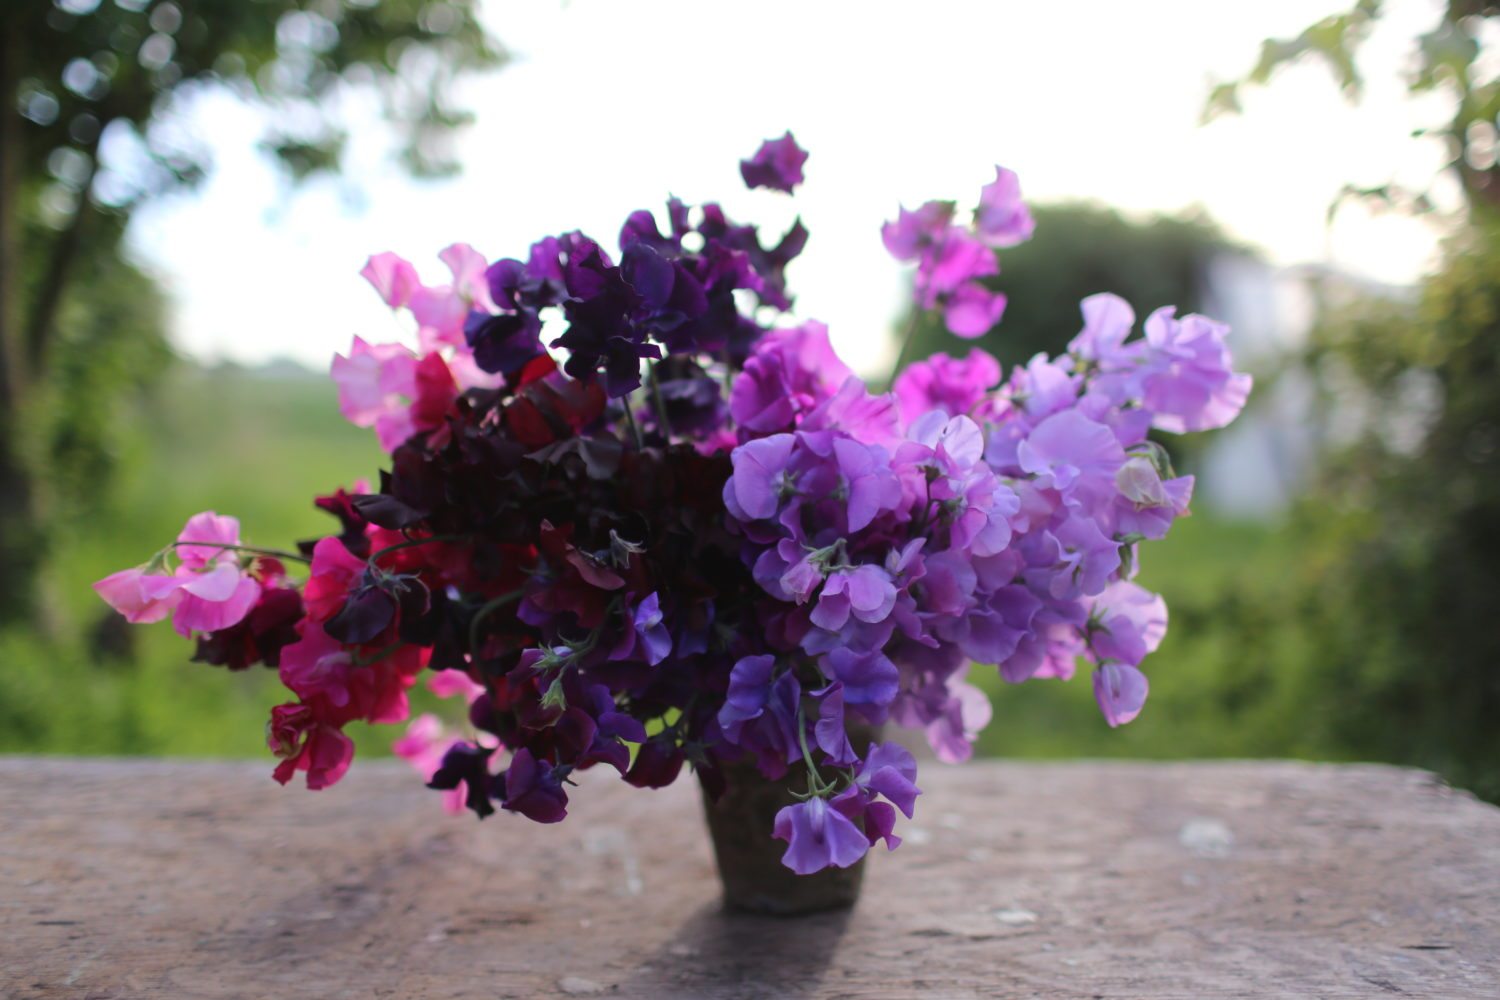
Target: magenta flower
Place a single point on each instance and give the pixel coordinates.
(818, 837)
(776, 165)
(954, 385)
(973, 310)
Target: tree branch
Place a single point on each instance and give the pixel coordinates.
(39, 324)
(12, 362)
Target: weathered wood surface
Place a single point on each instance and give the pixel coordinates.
(146, 878)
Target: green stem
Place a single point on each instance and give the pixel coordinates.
(485, 611)
(273, 553)
(640, 440)
(665, 425)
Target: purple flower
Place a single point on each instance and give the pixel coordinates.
(1107, 320)
(776, 165)
(1189, 381)
(818, 837)
(1120, 690)
(1074, 455)
(755, 489)
(913, 232)
(1003, 219)
(963, 715)
(869, 679)
(655, 640)
(790, 372)
(1130, 623)
(865, 475)
(533, 789)
(830, 732)
(749, 690)
(890, 770)
(866, 592)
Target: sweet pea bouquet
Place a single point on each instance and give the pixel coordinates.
(636, 517)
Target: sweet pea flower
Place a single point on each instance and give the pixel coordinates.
(393, 278)
(306, 744)
(1189, 382)
(866, 592)
(1130, 623)
(1002, 219)
(789, 373)
(208, 591)
(818, 837)
(1120, 690)
(424, 746)
(954, 385)
(776, 165)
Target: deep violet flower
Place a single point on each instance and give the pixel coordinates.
(818, 836)
(776, 165)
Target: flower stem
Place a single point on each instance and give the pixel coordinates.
(665, 425)
(273, 553)
(635, 428)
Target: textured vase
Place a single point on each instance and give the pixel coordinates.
(740, 821)
(749, 858)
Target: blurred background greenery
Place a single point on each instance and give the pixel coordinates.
(1361, 623)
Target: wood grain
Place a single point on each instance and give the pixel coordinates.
(122, 879)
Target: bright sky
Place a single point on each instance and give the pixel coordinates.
(609, 106)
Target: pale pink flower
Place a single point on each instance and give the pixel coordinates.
(394, 278)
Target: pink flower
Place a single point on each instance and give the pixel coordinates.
(440, 310)
(423, 746)
(375, 381)
(208, 591)
(447, 683)
(393, 277)
(385, 386)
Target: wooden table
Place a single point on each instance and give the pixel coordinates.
(134, 878)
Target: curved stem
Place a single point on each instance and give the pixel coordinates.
(273, 553)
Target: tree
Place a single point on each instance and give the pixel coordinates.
(1393, 599)
(88, 94)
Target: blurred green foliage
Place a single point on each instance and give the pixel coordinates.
(93, 102)
(238, 442)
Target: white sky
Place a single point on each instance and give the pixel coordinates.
(609, 106)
